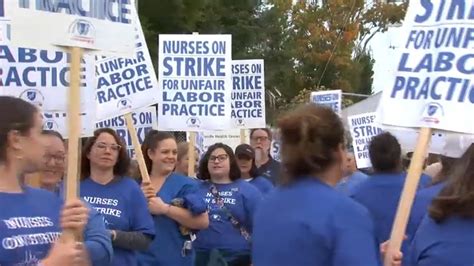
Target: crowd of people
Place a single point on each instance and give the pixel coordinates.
(244, 208)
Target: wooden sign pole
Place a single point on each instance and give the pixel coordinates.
(74, 127)
(192, 154)
(242, 136)
(408, 194)
(137, 147)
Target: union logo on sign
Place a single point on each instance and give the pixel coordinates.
(193, 122)
(33, 96)
(433, 113)
(83, 31)
(124, 104)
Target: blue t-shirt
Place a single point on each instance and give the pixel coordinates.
(166, 247)
(29, 225)
(96, 236)
(422, 202)
(380, 194)
(124, 208)
(241, 199)
(310, 223)
(262, 184)
(449, 243)
(348, 184)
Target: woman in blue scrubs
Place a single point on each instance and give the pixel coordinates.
(31, 219)
(173, 202)
(306, 221)
(446, 234)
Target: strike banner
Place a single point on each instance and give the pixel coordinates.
(124, 85)
(104, 25)
(331, 99)
(433, 84)
(248, 94)
(363, 128)
(195, 81)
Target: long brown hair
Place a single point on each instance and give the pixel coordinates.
(457, 197)
(123, 161)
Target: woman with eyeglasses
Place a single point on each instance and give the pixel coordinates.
(31, 219)
(106, 187)
(231, 206)
(173, 202)
(98, 247)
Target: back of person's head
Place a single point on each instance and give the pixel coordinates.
(457, 197)
(312, 136)
(385, 153)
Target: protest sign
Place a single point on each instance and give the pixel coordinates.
(363, 128)
(433, 83)
(275, 149)
(331, 99)
(432, 87)
(206, 138)
(57, 121)
(195, 82)
(144, 120)
(42, 77)
(248, 94)
(105, 25)
(124, 85)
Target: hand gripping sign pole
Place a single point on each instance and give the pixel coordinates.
(74, 127)
(408, 194)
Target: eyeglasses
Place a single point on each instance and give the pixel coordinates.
(103, 146)
(219, 158)
(59, 158)
(259, 139)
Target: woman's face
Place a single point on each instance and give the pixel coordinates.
(54, 161)
(104, 152)
(245, 164)
(164, 156)
(219, 165)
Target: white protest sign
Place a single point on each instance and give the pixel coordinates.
(57, 121)
(433, 84)
(363, 128)
(144, 120)
(248, 94)
(124, 85)
(105, 25)
(275, 148)
(41, 77)
(5, 30)
(195, 81)
(331, 99)
(228, 137)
